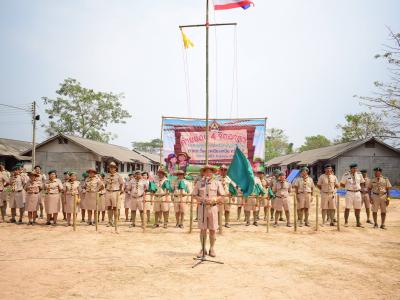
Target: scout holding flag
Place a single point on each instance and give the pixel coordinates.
(137, 188)
(230, 192)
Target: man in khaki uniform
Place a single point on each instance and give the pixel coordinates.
(17, 182)
(162, 199)
(282, 189)
(225, 206)
(41, 178)
(91, 187)
(264, 201)
(114, 184)
(207, 191)
(366, 200)
(273, 179)
(379, 186)
(136, 188)
(181, 191)
(327, 184)
(304, 187)
(127, 198)
(4, 181)
(353, 181)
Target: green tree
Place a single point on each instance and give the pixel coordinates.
(153, 146)
(315, 142)
(83, 112)
(386, 99)
(276, 144)
(362, 126)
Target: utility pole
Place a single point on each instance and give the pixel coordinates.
(33, 134)
(207, 26)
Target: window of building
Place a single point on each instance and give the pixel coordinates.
(98, 166)
(128, 167)
(122, 167)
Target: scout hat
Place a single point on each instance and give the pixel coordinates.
(33, 174)
(15, 168)
(91, 170)
(184, 154)
(353, 165)
(364, 171)
(84, 174)
(112, 165)
(282, 174)
(305, 169)
(137, 172)
(161, 170)
(378, 169)
(223, 167)
(180, 172)
(276, 171)
(52, 171)
(70, 173)
(102, 174)
(207, 167)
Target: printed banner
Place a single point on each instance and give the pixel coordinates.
(184, 142)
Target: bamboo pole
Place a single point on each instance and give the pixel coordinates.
(116, 215)
(220, 230)
(97, 210)
(338, 212)
(295, 211)
(144, 213)
(316, 212)
(161, 138)
(191, 215)
(74, 213)
(268, 208)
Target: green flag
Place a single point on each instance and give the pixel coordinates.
(152, 187)
(182, 186)
(241, 173)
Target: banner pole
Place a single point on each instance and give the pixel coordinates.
(295, 211)
(116, 214)
(316, 211)
(161, 138)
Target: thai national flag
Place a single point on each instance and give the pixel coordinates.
(228, 4)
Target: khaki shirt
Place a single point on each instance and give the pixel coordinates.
(4, 180)
(379, 185)
(282, 189)
(93, 184)
(113, 182)
(159, 184)
(328, 183)
(17, 183)
(352, 182)
(225, 181)
(137, 188)
(72, 187)
(208, 189)
(54, 187)
(42, 180)
(304, 184)
(33, 186)
(364, 189)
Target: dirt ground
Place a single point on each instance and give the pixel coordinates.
(44, 262)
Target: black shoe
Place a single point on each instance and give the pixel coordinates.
(48, 223)
(177, 226)
(156, 225)
(359, 225)
(307, 224)
(19, 222)
(247, 223)
(376, 226)
(227, 225)
(383, 227)
(332, 224)
(255, 224)
(181, 226)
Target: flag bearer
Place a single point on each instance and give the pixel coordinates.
(252, 203)
(92, 186)
(353, 181)
(207, 192)
(282, 188)
(17, 182)
(63, 181)
(162, 198)
(114, 184)
(102, 199)
(127, 198)
(53, 189)
(304, 187)
(181, 192)
(137, 188)
(42, 179)
(379, 186)
(366, 199)
(264, 202)
(32, 187)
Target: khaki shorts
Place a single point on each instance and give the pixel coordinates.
(281, 202)
(366, 200)
(304, 200)
(379, 202)
(112, 198)
(136, 204)
(16, 200)
(328, 200)
(251, 204)
(161, 206)
(210, 219)
(353, 200)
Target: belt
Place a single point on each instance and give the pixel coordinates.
(52, 193)
(281, 196)
(379, 194)
(356, 191)
(135, 197)
(33, 192)
(304, 193)
(328, 192)
(18, 191)
(112, 191)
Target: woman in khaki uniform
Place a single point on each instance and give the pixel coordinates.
(17, 182)
(4, 181)
(72, 189)
(304, 187)
(91, 187)
(145, 177)
(181, 192)
(282, 188)
(52, 200)
(102, 200)
(32, 188)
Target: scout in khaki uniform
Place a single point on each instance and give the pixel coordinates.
(282, 188)
(82, 203)
(4, 181)
(53, 190)
(17, 182)
(145, 177)
(181, 191)
(252, 203)
(63, 181)
(137, 188)
(114, 184)
(353, 181)
(274, 179)
(91, 188)
(328, 183)
(207, 192)
(229, 191)
(32, 187)
(41, 178)
(162, 198)
(72, 189)
(366, 199)
(127, 199)
(264, 202)
(379, 187)
(102, 199)
(304, 188)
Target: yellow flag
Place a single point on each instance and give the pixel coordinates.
(186, 42)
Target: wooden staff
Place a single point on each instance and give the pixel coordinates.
(316, 212)
(295, 211)
(97, 210)
(191, 215)
(144, 213)
(74, 213)
(220, 231)
(116, 214)
(338, 212)
(268, 208)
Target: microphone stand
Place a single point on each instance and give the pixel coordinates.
(202, 259)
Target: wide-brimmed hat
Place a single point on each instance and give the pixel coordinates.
(91, 170)
(353, 165)
(137, 172)
(184, 154)
(161, 170)
(223, 167)
(207, 167)
(179, 172)
(112, 165)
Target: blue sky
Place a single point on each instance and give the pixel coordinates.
(299, 62)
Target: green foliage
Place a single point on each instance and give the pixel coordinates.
(83, 112)
(276, 144)
(315, 142)
(153, 146)
(363, 125)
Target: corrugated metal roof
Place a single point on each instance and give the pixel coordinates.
(278, 160)
(14, 148)
(155, 158)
